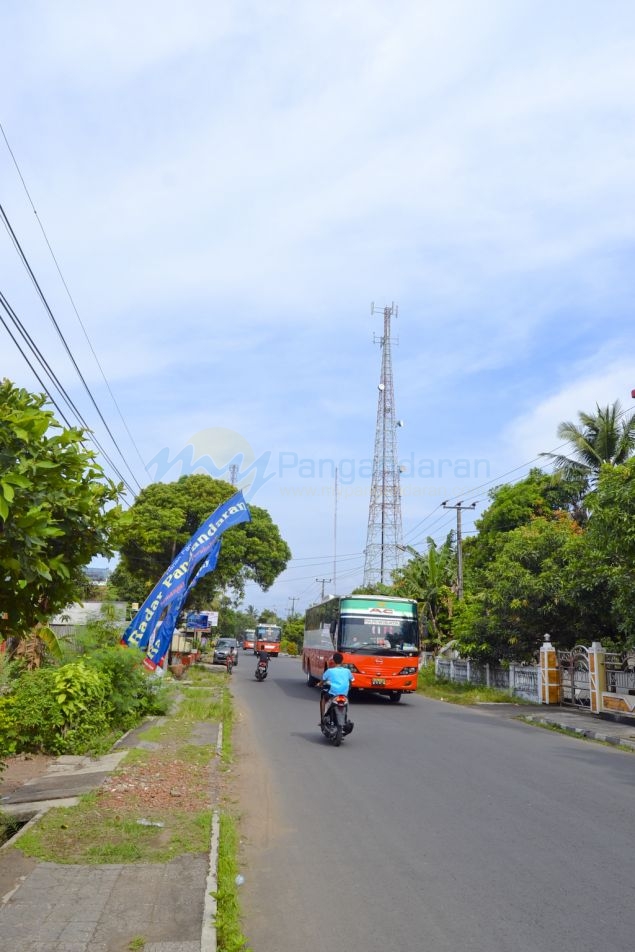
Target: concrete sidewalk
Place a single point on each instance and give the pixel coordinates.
(50, 907)
(579, 722)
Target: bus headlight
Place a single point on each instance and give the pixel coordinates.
(407, 671)
(351, 667)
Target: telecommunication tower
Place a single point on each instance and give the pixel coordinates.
(384, 536)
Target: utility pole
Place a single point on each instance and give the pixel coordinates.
(233, 474)
(459, 544)
(383, 537)
(293, 599)
(335, 536)
(323, 581)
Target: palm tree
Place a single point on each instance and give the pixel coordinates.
(606, 436)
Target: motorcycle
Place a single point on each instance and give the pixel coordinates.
(262, 669)
(335, 723)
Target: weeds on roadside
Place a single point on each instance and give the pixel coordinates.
(229, 933)
(458, 692)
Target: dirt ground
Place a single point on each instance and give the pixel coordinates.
(22, 768)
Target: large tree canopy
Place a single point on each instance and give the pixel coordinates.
(540, 580)
(611, 540)
(164, 517)
(53, 511)
(513, 505)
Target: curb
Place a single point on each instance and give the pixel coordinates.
(613, 739)
(208, 926)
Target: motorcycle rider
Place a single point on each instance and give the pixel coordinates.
(231, 659)
(335, 680)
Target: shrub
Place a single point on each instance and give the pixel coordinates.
(133, 694)
(30, 716)
(289, 647)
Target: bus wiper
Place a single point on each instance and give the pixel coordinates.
(366, 644)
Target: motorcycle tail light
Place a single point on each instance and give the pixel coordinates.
(341, 699)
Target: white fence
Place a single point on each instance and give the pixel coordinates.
(522, 680)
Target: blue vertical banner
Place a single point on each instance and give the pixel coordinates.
(173, 584)
(161, 637)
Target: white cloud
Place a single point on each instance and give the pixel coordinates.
(602, 384)
(227, 188)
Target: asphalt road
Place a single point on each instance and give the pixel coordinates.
(432, 828)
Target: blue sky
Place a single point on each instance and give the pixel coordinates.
(227, 187)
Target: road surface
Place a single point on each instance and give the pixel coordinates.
(433, 827)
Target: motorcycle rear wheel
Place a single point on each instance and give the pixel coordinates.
(335, 734)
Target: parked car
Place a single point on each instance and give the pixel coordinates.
(222, 648)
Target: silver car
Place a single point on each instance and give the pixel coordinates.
(222, 649)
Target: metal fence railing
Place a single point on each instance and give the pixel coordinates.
(519, 679)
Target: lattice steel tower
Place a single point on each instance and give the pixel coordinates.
(384, 512)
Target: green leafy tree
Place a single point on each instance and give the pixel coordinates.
(514, 505)
(165, 516)
(431, 579)
(538, 581)
(54, 511)
(269, 617)
(606, 436)
(293, 631)
(611, 541)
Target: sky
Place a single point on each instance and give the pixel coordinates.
(228, 187)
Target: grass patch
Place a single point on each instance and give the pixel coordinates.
(9, 826)
(201, 676)
(88, 833)
(457, 692)
(199, 705)
(227, 720)
(229, 933)
(171, 786)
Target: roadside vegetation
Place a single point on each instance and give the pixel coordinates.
(158, 804)
(553, 552)
(442, 689)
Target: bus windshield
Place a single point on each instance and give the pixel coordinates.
(268, 633)
(378, 635)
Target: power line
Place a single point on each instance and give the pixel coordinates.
(26, 264)
(34, 371)
(70, 296)
(56, 383)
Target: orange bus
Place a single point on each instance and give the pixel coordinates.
(268, 639)
(249, 635)
(378, 635)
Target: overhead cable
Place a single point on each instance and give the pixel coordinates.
(70, 296)
(26, 264)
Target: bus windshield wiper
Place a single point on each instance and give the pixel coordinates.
(366, 644)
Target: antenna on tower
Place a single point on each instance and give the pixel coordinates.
(384, 536)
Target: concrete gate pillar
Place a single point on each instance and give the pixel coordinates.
(550, 685)
(597, 675)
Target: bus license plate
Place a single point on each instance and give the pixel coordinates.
(376, 682)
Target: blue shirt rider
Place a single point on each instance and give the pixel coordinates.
(335, 680)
